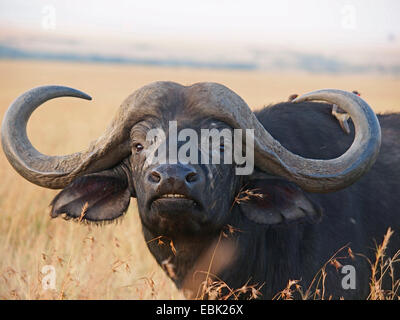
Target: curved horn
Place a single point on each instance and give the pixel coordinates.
(335, 174)
(313, 175)
(316, 175)
(53, 171)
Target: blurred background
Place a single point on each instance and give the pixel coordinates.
(354, 36)
(263, 50)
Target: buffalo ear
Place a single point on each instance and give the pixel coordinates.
(96, 197)
(272, 200)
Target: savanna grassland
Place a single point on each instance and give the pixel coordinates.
(112, 261)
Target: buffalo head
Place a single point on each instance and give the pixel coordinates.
(178, 197)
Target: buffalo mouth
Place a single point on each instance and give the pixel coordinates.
(171, 203)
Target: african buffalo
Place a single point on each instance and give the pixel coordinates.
(281, 222)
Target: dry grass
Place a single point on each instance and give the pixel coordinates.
(112, 261)
(382, 269)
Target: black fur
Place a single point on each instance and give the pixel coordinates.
(271, 251)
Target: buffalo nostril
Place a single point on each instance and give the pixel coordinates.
(191, 177)
(155, 177)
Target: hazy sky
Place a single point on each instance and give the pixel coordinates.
(326, 21)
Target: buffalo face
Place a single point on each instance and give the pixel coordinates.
(184, 198)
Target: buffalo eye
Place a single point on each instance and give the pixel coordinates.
(138, 147)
